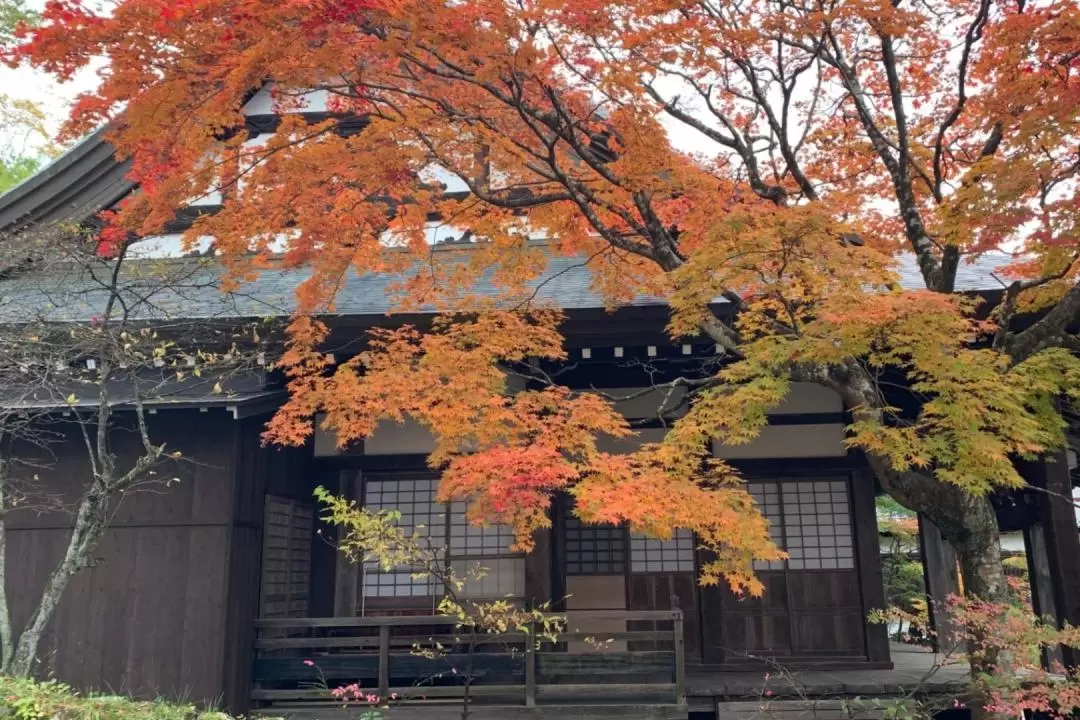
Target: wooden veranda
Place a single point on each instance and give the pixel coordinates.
(413, 663)
(425, 667)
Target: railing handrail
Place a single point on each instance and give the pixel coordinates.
(384, 625)
(449, 620)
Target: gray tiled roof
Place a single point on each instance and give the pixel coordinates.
(187, 288)
(87, 178)
(83, 181)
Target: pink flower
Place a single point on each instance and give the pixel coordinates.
(393, 696)
(309, 663)
(340, 692)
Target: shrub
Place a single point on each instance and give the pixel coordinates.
(26, 699)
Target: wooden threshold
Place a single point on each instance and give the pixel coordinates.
(487, 712)
(797, 663)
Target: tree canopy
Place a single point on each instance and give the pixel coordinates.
(19, 119)
(776, 156)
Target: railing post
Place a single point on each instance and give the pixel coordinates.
(530, 666)
(384, 665)
(680, 658)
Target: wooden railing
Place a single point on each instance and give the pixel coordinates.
(431, 659)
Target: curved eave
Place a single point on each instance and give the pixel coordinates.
(72, 189)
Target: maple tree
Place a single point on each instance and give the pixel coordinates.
(777, 156)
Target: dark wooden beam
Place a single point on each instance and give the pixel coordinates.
(942, 580)
(324, 553)
(1058, 556)
(812, 467)
(793, 468)
(538, 569)
(347, 575)
(1041, 578)
(818, 418)
(868, 557)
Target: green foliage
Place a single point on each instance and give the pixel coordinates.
(20, 120)
(906, 588)
(26, 699)
(887, 507)
(13, 12)
(368, 536)
(902, 573)
(14, 170)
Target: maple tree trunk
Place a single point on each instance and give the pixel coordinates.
(978, 547)
(966, 520)
(970, 525)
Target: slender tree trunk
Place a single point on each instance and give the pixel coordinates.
(90, 523)
(466, 701)
(7, 641)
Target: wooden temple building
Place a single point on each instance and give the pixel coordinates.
(226, 587)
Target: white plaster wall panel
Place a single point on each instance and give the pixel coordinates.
(250, 157)
(595, 592)
(648, 405)
(809, 398)
(209, 199)
(617, 446)
(434, 233)
(262, 102)
(788, 441)
(407, 438)
(439, 174)
(170, 245)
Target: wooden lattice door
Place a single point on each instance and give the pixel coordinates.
(286, 560)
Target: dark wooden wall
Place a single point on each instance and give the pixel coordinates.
(167, 609)
(666, 591)
(284, 472)
(149, 617)
(807, 616)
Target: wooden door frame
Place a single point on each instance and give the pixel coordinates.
(860, 492)
(560, 511)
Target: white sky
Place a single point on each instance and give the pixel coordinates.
(55, 100)
(52, 97)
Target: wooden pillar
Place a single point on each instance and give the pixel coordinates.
(942, 580)
(559, 509)
(1054, 546)
(868, 555)
(324, 553)
(346, 572)
(538, 570)
(1042, 585)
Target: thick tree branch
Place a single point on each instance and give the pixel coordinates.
(934, 275)
(772, 193)
(1048, 331)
